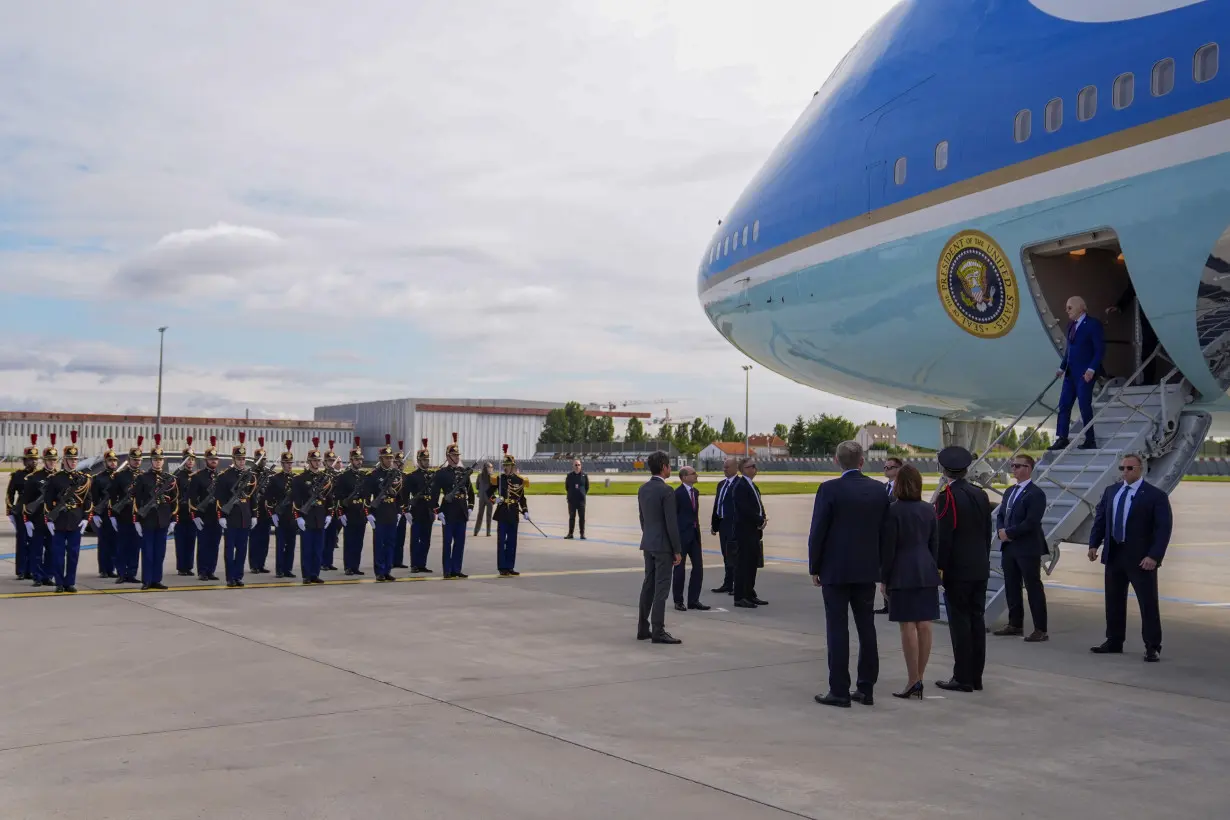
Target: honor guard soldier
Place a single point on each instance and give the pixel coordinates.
(382, 493)
(420, 503)
(33, 499)
(203, 504)
(68, 501)
(333, 466)
(13, 506)
(280, 507)
(312, 500)
(157, 505)
(963, 521)
(452, 488)
(127, 539)
(510, 505)
(348, 490)
(100, 494)
(258, 541)
(185, 533)
(234, 490)
(399, 542)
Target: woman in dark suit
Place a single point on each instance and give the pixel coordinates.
(910, 574)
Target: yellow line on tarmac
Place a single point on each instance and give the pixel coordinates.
(300, 585)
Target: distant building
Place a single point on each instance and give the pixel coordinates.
(769, 446)
(721, 450)
(877, 437)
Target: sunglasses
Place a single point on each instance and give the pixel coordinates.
(1019, 466)
(1123, 468)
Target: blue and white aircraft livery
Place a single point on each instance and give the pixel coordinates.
(968, 167)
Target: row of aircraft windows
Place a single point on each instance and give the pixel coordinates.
(1123, 93)
(731, 242)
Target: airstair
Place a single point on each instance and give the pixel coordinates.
(1151, 420)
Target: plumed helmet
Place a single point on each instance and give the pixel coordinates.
(212, 450)
(157, 451)
(387, 449)
(453, 449)
(239, 449)
(71, 450)
(51, 452)
(135, 453)
(32, 450)
(287, 455)
(509, 461)
(315, 451)
(187, 452)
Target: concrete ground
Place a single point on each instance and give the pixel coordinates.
(531, 698)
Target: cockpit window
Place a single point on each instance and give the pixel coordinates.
(941, 156)
(1124, 91)
(1023, 126)
(1087, 103)
(899, 171)
(1205, 66)
(1163, 77)
(1054, 115)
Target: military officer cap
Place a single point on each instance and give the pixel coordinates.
(329, 454)
(32, 450)
(288, 456)
(135, 452)
(401, 450)
(509, 461)
(188, 453)
(260, 447)
(239, 449)
(955, 459)
(51, 452)
(423, 451)
(315, 451)
(212, 450)
(110, 451)
(157, 451)
(387, 449)
(357, 449)
(71, 450)
(453, 449)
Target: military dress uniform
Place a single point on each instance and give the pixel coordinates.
(258, 541)
(120, 501)
(234, 490)
(68, 502)
(185, 533)
(420, 504)
(334, 530)
(157, 511)
(100, 495)
(348, 495)
(34, 518)
(203, 506)
(510, 505)
(13, 507)
(279, 506)
(312, 500)
(454, 494)
(399, 542)
(382, 495)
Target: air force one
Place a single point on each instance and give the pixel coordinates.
(969, 166)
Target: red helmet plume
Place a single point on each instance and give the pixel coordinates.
(315, 441)
(242, 436)
(424, 444)
(356, 441)
(401, 445)
(53, 439)
(213, 441)
(157, 439)
(140, 440)
(260, 441)
(388, 439)
(189, 441)
(72, 434)
(330, 444)
(290, 444)
(505, 449)
(110, 444)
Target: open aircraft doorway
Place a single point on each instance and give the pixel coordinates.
(1092, 266)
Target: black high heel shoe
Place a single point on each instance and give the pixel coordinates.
(915, 691)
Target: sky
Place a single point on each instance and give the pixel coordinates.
(384, 199)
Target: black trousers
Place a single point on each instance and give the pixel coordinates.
(966, 603)
(839, 601)
(1119, 574)
(730, 550)
(692, 555)
(575, 509)
(1027, 570)
(747, 560)
(656, 587)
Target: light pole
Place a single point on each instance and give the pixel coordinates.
(162, 335)
(747, 403)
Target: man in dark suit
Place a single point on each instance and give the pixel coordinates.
(892, 466)
(687, 505)
(660, 543)
(963, 518)
(1022, 545)
(722, 524)
(1082, 359)
(848, 530)
(1134, 522)
(749, 527)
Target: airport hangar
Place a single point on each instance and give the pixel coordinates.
(482, 426)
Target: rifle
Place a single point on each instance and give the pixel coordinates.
(387, 485)
(320, 485)
(70, 492)
(237, 494)
(358, 487)
(160, 489)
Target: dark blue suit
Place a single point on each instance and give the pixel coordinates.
(1086, 345)
(723, 524)
(849, 529)
(1146, 533)
(689, 541)
(1020, 515)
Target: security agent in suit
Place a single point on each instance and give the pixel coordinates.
(750, 521)
(849, 529)
(1133, 522)
(661, 544)
(963, 518)
(576, 484)
(687, 506)
(1022, 545)
(1082, 359)
(722, 524)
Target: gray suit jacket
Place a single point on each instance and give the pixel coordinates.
(659, 524)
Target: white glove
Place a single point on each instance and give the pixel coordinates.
(275, 519)
(399, 517)
(81, 528)
(140, 531)
(171, 529)
(328, 521)
(13, 521)
(302, 524)
(253, 524)
(29, 529)
(222, 523)
(51, 528)
(200, 525)
(343, 519)
(440, 517)
(98, 522)
(371, 519)
(527, 516)
(114, 524)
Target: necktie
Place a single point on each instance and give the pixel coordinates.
(692, 493)
(889, 489)
(1012, 499)
(1072, 332)
(1121, 504)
